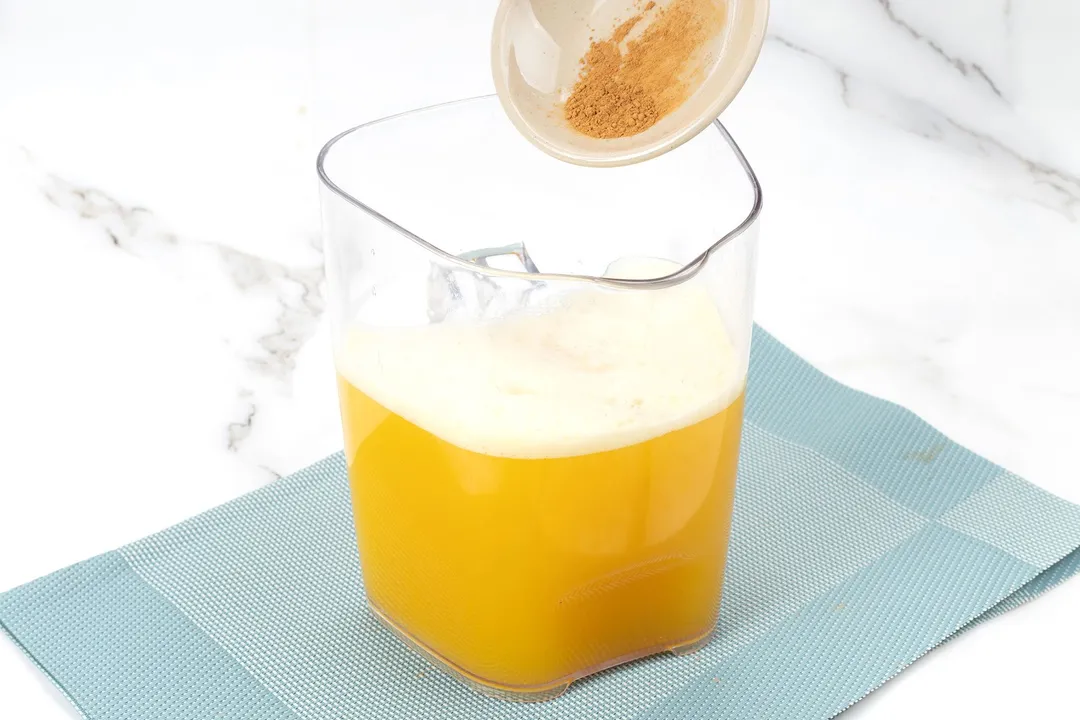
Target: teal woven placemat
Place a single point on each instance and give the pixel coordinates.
(862, 538)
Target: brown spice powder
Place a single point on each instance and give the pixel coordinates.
(623, 93)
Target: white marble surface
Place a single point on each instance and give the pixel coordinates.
(161, 300)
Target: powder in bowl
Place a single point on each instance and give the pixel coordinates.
(624, 92)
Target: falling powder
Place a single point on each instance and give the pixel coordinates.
(623, 92)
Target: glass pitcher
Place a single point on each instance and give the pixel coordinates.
(541, 371)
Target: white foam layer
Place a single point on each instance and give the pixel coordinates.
(601, 370)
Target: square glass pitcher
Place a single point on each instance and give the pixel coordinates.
(541, 370)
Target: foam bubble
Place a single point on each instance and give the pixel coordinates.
(600, 370)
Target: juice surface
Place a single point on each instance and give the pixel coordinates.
(548, 494)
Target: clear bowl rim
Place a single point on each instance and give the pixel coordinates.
(677, 277)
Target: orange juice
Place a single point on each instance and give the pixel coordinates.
(550, 494)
